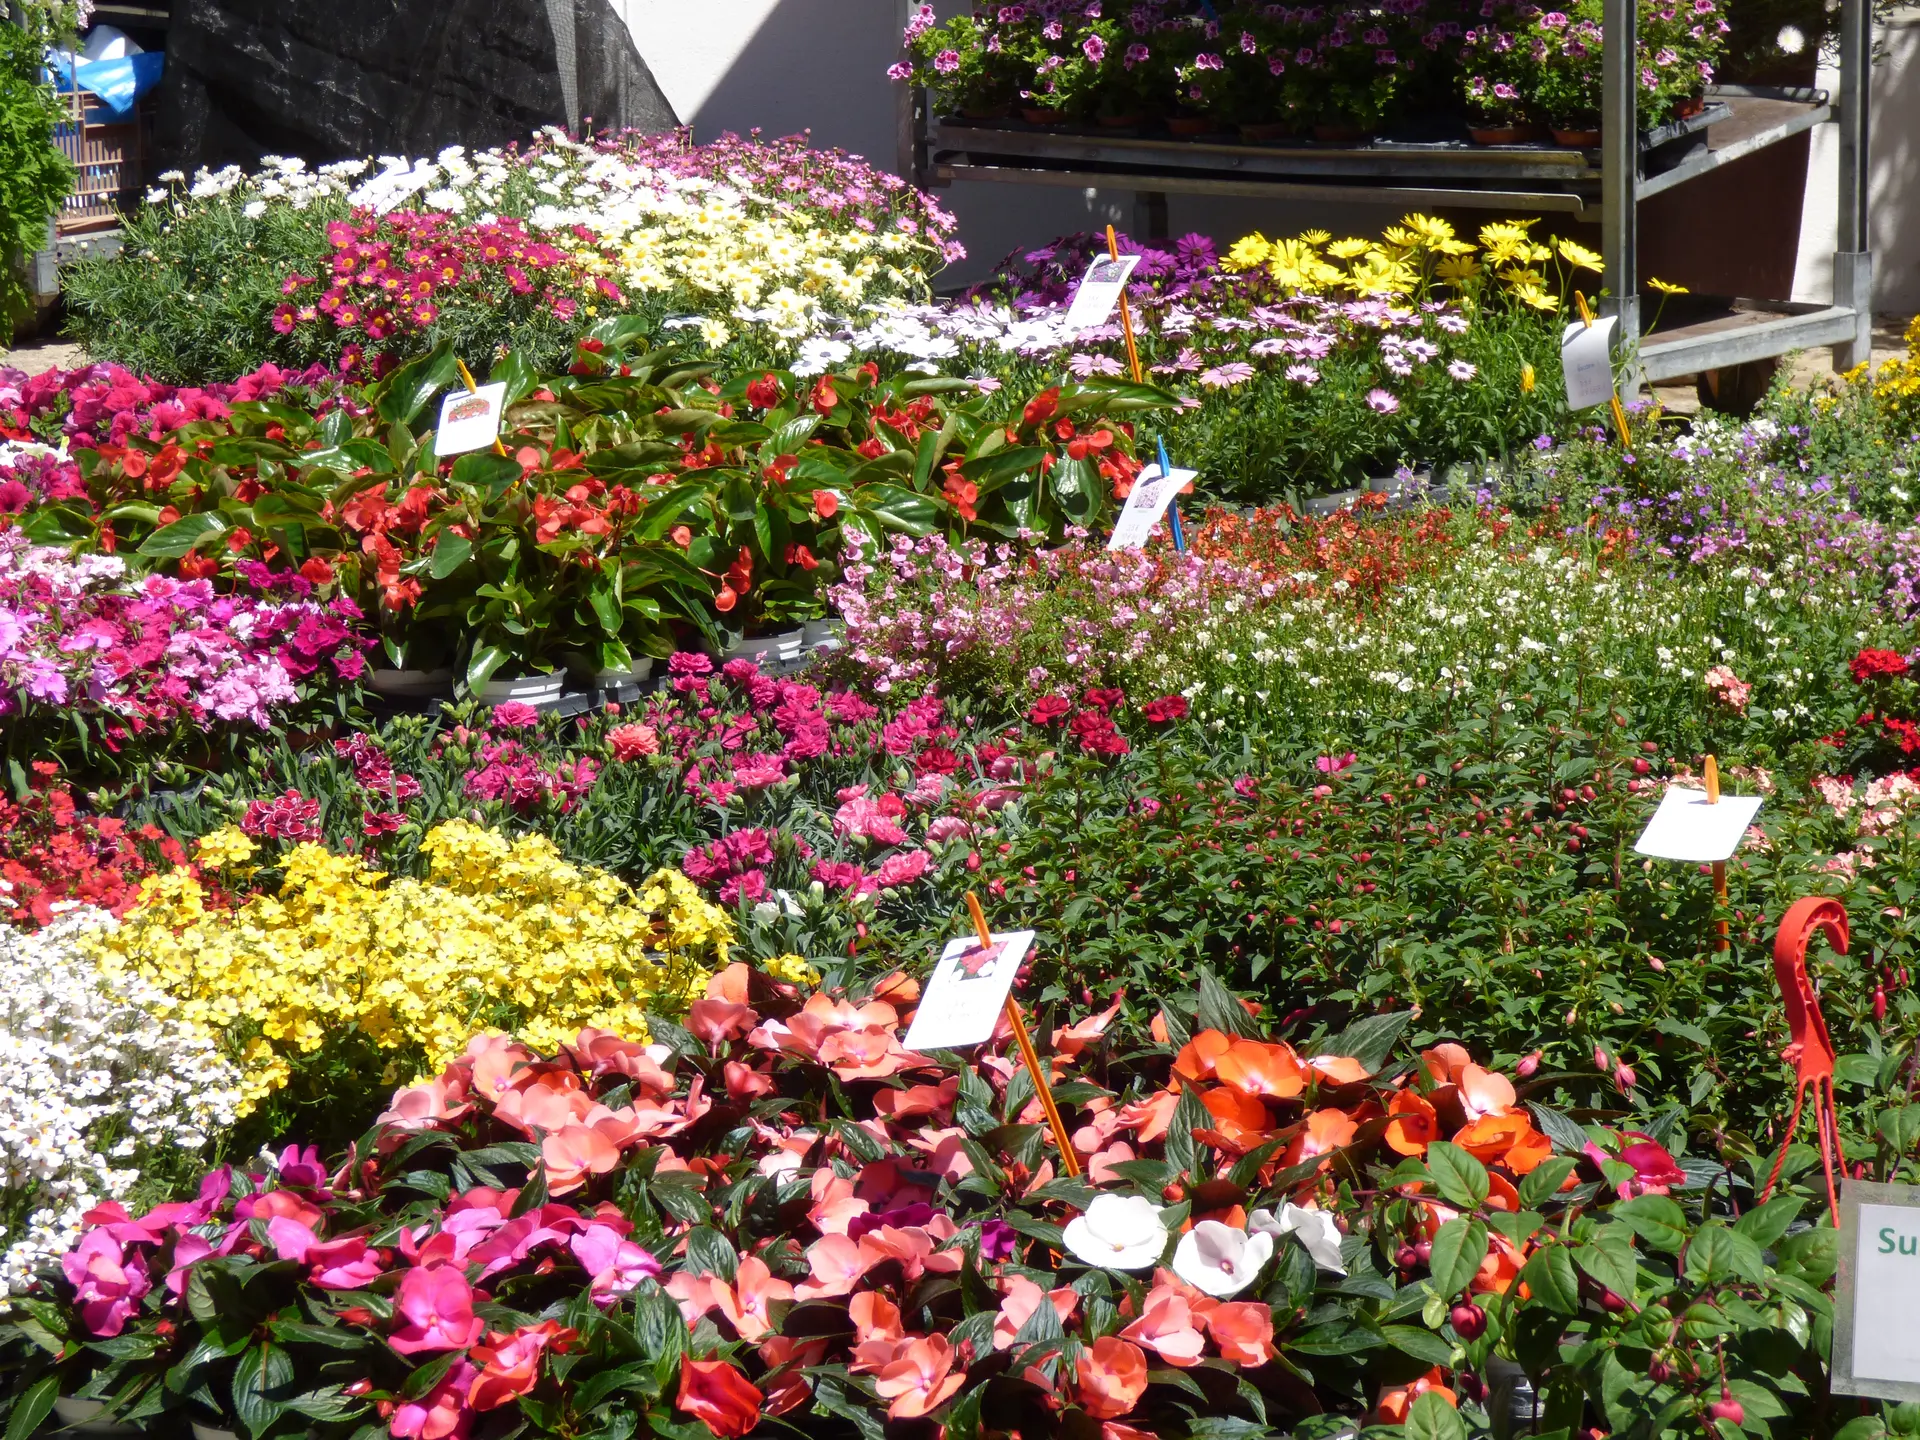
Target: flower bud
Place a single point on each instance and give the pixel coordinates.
(1529, 1064)
(1727, 1408)
(1469, 1321)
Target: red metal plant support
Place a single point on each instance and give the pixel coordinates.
(1811, 1052)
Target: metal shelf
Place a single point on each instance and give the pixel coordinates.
(1608, 183)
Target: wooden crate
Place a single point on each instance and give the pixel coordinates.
(109, 162)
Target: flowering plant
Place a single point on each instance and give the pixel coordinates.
(781, 1211)
(1566, 46)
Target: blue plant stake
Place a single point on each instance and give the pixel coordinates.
(1173, 506)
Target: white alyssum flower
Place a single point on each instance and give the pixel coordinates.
(1118, 1232)
(89, 1074)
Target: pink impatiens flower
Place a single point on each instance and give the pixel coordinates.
(437, 1304)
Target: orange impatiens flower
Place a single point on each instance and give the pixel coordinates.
(1196, 1058)
(1243, 1330)
(1325, 1132)
(1397, 1400)
(1510, 1139)
(1112, 1377)
(1482, 1092)
(1167, 1326)
(719, 1397)
(1254, 1068)
(1413, 1124)
(1240, 1120)
(920, 1379)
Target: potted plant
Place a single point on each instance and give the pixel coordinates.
(1567, 74)
(1496, 68)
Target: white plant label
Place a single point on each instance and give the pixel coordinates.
(1099, 291)
(1586, 360)
(1146, 503)
(969, 989)
(1687, 827)
(470, 420)
(1876, 1345)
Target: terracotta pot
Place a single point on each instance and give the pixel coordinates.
(1267, 131)
(1034, 115)
(989, 112)
(1120, 122)
(1342, 134)
(1576, 139)
(1504, 134)
(1191, 125)
(1690, 108)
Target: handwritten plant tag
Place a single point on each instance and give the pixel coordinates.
(1146, 503)
(470, 420)
(1687, 827)
(1586, 359)
(969, 989)
(1099, 291)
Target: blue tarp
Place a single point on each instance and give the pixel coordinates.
(118, 83)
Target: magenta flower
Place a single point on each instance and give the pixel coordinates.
(107, 1282)
(437, 1306)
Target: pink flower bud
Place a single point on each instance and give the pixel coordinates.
(1528, 1064)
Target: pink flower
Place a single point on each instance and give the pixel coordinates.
(442, 1413)
(107, 1282)
(344, 1264)
(1383, 401)
(437, 1304)
(615, 1264)
(901, 869)
(758, 772)
(1334, 764)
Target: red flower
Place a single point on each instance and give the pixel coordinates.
(1041, 408)
(1166, 709)
(825, 397)
(316, 571)
(962, 493)
(718, 1396)
(826, 504)
(1872, 664)
(1047, 710)
(764, 393)
(198, 567)
(798, 554)
(1104, 700)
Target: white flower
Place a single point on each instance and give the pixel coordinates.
(1314, 1229)
(1219, 1259)
(1119, 1232)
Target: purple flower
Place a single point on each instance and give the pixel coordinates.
(947, 61)
(1221, 376)
(1094, 48)
(1383, 401)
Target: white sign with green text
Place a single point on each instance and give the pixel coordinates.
(1876, 1321)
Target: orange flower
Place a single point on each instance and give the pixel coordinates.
(1254, 1068)
(1395, 1402)
(1022, 1298)
(1167, 1327)
(1483, 1092)
(1112, 1377)
(1444, 1062)
(1509, 1138)
(1326, 1131)
(1243, 1330)
(919, 1381)
(574, 1152)
(748, 1302)
(1498, 1271)
(837, 1263)
(1414, 1125)
(1241, 1120)
(1196, 1058)
(719, 1397)
(786, 1360)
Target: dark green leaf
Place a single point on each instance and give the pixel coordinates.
(1460, 1179)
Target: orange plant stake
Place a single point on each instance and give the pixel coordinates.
(1068, 1160)
(1711, 773)
(1126, 315)
(1811, 1051)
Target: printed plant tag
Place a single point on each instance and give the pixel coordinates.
(1146, 503)
(1686, 827)
(962, 1003)
(1587, 362)
(1099, 291)
(470, 420)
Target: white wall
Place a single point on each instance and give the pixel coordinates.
(789, 65)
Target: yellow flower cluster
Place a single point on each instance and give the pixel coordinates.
(1410, 258)
(503, 934)
(1896, 385)
(768, 264)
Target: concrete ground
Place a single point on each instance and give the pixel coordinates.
(35, 356)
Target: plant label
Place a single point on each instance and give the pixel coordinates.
(1876, 1345)
(969, 989)
(1146, 503)
(1688, 827)
(1099, 291)
(1586, 360)
(470, 420)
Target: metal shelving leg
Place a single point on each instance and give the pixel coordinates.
(1853, 262)
(1619, 180)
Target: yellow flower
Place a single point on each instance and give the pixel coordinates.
(1313, 237)
(793, 969)
(1248, 252)
(228, 845)
(1654, 283)
(1577, 254)
(1431, 229)
(1349, 249)
(502, 934)
(1526, 377)
(1402, 239)
(1379, 274)
(1457, 268)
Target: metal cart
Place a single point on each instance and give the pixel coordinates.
(1627, 167)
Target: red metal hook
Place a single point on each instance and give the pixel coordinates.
(1811, 1051)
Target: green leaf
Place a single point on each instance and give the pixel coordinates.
(1458, 1248)
(1567, 1137)
(425, 1377)
(401, 397)
(1718, 1252)
(450, 552)
(1549, 1275)
(1545, 1181)
(1219, 1010)
(170, 542)
(486, 660)
(1767, 1223)
(1461, 1179)
(711, 1253)
(1182, 1150)
(1610, 1260)
(1432, 1418)
(32, 1408)
(487, 472)
(1371, 1040)
(1423, 1345)
(1655, 1219)
(260, 1372)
